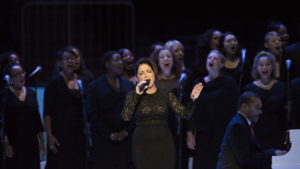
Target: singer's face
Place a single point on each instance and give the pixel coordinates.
(254, 109)
(273, 44)
(68, 62)
(214, 62)
(128, 60)
(145, 72)
(17, 75)
(165, 60)
(178, 51)
(264, 67)
(215, 40)
(115, 64)
(284, 36)
(230, 44)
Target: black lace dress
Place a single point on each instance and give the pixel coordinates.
(153, 144)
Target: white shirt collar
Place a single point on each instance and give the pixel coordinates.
(249, 122)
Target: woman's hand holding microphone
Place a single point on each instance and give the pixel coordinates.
(142, 86)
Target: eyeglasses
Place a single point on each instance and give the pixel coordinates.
(69, 59)
(19, 74)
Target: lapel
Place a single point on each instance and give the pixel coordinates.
(255, 142)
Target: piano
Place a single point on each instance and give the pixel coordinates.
(290, 160)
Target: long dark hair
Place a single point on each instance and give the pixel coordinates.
(221, 46)
(202, 50)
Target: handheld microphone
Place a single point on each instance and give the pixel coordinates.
(142, 87)
(288, 63)
(79, 82)
(182, 78)
(7, 79)
(243, 55)
(37, 69)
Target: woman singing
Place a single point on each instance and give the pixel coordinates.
(23, 123)
(153, 145)
(63, 115)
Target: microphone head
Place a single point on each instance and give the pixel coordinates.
(288, 63)
(182, 77)
(7, 79)
(79, 82)
(243, 51)
(39, 68)
(243, 54)
(141, 88)
(147, 82)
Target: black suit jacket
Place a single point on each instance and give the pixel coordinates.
(239, 150)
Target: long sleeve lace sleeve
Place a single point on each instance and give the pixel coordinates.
(183, 111)
(130, 105)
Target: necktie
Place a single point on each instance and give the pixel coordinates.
(252, 130)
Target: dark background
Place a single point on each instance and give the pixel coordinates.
(37, 29)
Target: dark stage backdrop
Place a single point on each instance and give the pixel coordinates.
(93, 27)
(38, 29)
